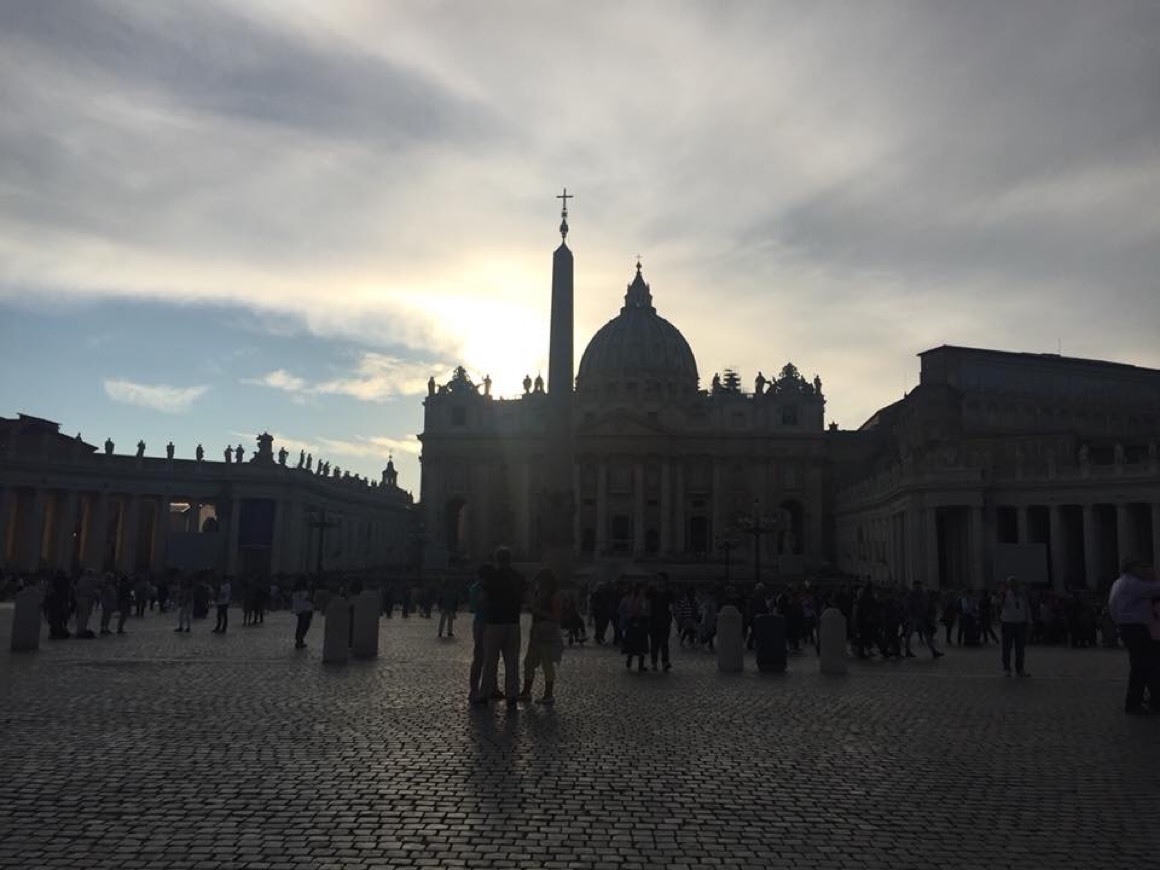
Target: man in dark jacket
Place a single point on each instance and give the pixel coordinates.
(504, 590)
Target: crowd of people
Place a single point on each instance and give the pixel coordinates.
(638, 617)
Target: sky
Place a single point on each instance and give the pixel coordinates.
(223, 218)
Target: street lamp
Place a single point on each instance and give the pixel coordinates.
(727, 544)
(318, 519)
(759, 525)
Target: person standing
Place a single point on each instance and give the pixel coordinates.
(302, 604)
(544, 644)
(1014, 620)
(920, 619)
(986, 631)
(448, 606)
(124, 601)
(477, 601)
(108, 602)
(660, 623)
(185, 604)
(636, 627)
(86, 598)
(1130, 604)
(505, 601)
(223, 606)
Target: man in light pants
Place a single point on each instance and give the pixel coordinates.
(505, 602)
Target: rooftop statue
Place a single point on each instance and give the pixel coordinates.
(200, 453)
(169, 448)
(108, 446)
(282, 454)
(140, 449)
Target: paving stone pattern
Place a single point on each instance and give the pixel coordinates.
(196, 751)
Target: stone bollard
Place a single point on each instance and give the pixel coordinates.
(366, 625)
(730, 644)
(26, 620)
(769, 643)
(832, 637)
(336, 633)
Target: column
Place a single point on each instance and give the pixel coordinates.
(277, 537)
(602, 508)
(233, 529)
(679, 524)
(31, 541)
(194, 524)
(7, 515)
(978, 543)
(523, 521)
(159, 540)
(1021, 533)
(96, 532)
(1125, 539)
(666, 509)
(930, 547)
(717, 528)
(638, 509)
(1156, 536)
(1091, 562)
(130, 524)
(913, 537)
(1058, 550)
(64, 542)
(576, 510)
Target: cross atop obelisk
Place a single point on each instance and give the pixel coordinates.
(565, 196)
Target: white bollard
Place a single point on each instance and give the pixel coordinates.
(336, 632)
(730, 644)
(366, 625)
(26, 620)
(832, 636)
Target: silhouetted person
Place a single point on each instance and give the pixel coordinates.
(505, 598)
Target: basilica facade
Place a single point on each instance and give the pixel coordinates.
(998, 463)
(667, 475)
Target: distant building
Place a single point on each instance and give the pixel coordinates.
(1005, 463)
(65, 504)
(997, 463)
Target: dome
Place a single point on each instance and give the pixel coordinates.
(638, 351)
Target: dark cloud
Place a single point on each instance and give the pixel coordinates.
(203, 57)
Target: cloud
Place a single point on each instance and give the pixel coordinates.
(834, 185)
(371, 446)
(377, 447)
(157, 397)
(376, 377)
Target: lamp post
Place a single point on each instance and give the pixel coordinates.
(321, 521)
(759, 525)
(727, 544)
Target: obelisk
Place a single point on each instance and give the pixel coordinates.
(558, 500)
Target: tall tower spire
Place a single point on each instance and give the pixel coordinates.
(558, 500)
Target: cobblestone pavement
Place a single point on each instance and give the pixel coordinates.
(196, 751)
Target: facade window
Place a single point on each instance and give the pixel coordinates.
(651, 541)
(620, 479)
(588, 541)
(621, 533)
(459, 416)
(789, 415)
